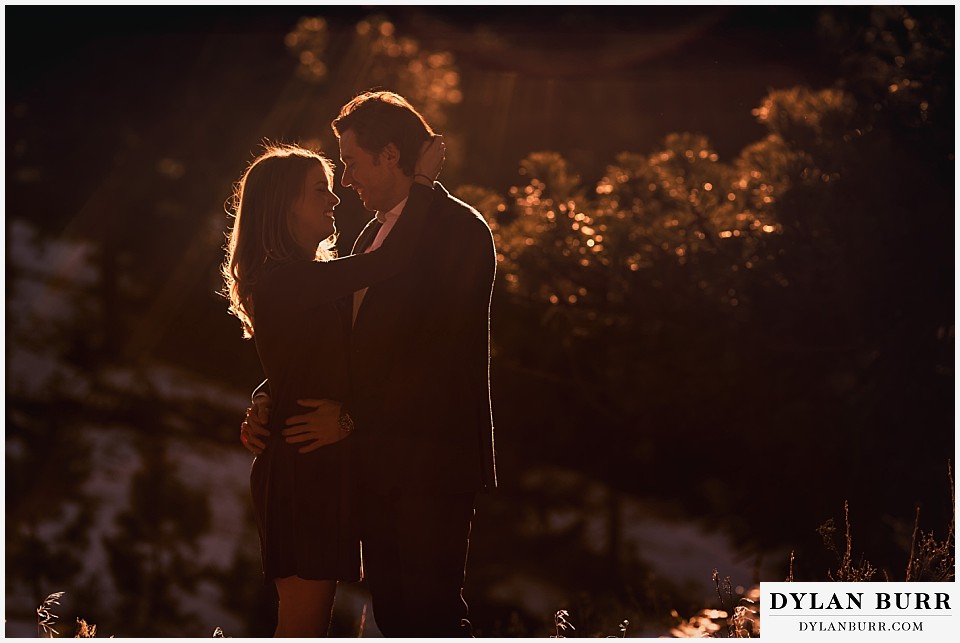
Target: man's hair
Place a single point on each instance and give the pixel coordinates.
(380, 118)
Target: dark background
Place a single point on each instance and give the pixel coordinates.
(828, 379)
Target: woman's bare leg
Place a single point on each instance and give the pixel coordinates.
(306, 607)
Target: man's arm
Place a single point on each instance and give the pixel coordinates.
(438, 394)
(461, 324)
(319, 427)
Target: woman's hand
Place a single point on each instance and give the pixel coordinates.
(430, 162)
(319, 427)
(253, 427)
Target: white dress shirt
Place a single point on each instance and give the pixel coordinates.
(387, 221)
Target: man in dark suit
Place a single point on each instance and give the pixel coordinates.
(419, 410)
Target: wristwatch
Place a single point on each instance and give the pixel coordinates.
(345, 421)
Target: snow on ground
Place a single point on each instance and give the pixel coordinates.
(224, 474)
(678, 550)
(50, 257)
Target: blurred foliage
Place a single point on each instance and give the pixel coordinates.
(428, 79)
(308, 42)
(897, 60)
(702, 330)
(792, 292)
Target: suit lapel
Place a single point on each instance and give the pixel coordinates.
(366, 238)
(367, 235)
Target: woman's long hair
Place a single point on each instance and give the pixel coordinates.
(261, 237)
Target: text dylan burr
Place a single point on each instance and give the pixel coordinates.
(855, 600)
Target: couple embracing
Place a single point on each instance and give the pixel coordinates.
(374, 423)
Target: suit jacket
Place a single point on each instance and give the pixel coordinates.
(420, 360)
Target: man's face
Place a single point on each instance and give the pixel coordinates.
(366, 173)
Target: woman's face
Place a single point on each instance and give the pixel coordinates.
(311, 218)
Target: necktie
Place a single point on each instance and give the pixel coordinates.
(359, 294)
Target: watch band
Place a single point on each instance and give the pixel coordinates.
(345, 420)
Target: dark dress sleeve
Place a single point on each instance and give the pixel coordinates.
(307, 283)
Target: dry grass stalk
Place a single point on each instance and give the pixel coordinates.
(933, 560)
(45, 616)
(847, 572)
(85, 630)
(561, 623)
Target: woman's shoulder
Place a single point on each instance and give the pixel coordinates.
(275, 277)
(285, 270)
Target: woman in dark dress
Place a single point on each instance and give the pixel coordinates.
(292, 297)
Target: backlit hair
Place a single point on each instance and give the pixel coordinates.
(262, 236)
(380, 118)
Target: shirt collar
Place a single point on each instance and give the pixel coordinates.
(392, 213)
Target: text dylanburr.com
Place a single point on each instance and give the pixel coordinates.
(858, 611)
